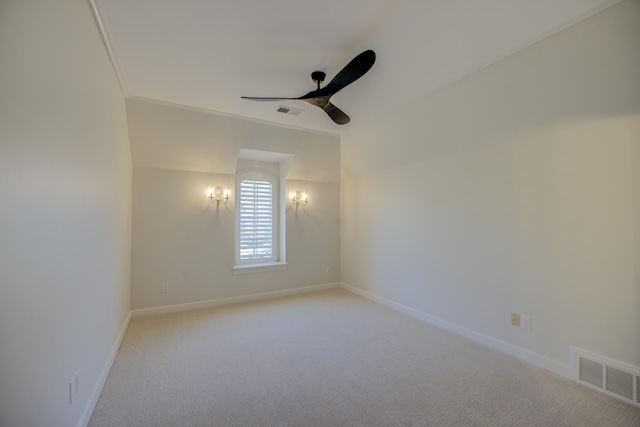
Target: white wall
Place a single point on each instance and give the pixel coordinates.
(516, 189)
(180, 238)
(171, 137)
(65, 184)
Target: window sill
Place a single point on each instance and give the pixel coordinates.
(259, 268)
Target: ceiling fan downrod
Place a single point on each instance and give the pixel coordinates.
(318, 77)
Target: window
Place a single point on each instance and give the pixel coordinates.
(258, 226)
(260, 211)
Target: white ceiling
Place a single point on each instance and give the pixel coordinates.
(207, 53)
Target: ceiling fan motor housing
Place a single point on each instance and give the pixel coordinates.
(318, 77)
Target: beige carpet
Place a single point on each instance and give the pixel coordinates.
(330, 358)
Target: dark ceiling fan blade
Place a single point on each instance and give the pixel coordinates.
(312, 94)
(336, 114)
(254, 98)
(355, 69)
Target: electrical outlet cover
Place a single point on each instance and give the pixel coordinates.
(515, 319)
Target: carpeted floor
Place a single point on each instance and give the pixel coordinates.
(330, 358)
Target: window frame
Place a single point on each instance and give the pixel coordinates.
(259, 164)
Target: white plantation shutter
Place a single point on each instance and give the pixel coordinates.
(256, 221)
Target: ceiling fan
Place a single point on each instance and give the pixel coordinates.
(321, 97)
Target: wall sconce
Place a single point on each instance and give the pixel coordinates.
(299, 198)
(218, 195)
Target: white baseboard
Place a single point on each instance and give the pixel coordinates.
(231, 300)
(95, 395)
(528, 356)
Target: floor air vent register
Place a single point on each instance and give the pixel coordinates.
(611, 377)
